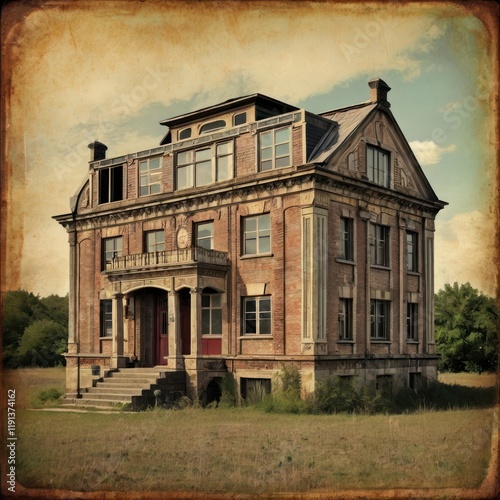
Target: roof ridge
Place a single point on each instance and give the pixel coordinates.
(347, 108)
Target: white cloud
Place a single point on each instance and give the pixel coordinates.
(465, 251)
(429, 153)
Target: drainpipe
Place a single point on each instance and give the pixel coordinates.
(78, 393)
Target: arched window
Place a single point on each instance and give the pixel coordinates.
(211, 126)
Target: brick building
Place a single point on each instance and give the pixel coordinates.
(256, 234)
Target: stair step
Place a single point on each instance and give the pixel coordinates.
(133, 391)
(112, 403)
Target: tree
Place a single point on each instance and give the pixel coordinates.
(22, 309)
(466, 329)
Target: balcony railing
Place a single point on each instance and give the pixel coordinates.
(166, 258)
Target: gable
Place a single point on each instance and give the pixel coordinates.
(379, 131)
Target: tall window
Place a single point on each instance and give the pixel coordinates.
(379, 245)
(211, 314)
(111, 248)
(377, 166)
(346, 239)
(412, 251)
(380, 319)
(412, 321)
(257, 235)
(111, 184)
(204, 232)
(257, 316)
(206, 165)
(155, 241)
(275, 149)
(106, 318)
(150, 176)
(345, 319)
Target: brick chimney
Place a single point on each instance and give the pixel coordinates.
(97, 151)
(378, 91)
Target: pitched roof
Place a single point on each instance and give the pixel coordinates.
(347, 121)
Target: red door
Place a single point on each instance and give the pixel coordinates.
(162, 331)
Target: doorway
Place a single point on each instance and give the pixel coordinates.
(185, 320)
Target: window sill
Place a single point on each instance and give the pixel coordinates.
(345, 261)
(374, 341)
(211, 335)
(413, 273)
(383, 268)
(105, 338)
(345, 341)
(256, 255)
(410, 341)
(254, 336)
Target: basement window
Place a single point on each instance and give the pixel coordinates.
(253, 389)
(111, 184)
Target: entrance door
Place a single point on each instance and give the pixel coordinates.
(162, 330)
(185, 320)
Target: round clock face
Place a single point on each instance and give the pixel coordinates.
(182, 238)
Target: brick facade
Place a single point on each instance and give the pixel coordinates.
(249, 268)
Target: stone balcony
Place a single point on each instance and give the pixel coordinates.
(156, 260)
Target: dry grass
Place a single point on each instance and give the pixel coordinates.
(469, 379)
(243, 450)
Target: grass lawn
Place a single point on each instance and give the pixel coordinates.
(244, 450)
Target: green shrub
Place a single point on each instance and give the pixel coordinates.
(338, 395)
(49, 395)
(229, 391)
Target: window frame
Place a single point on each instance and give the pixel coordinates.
(346, 239)
(258, 235)
(148, 175)
(258, 312)
(110, 185)
(197, 227)
(212, 126)
(106, 318)
(147, 248)
(211, 308)
(412, 251)
(236, 117)
(412, 321)
(380, 244)
(345, 320)
(374, 173)
(215, 159)
(117, 251)
(273, 146)
(380, 320)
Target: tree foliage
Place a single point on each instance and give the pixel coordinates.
(34, 329)
(466, 329)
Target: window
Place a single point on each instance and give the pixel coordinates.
(239, 119)
(379, 245)
(346, 239)
(345, 319)
(257, 316)
(275, 149)
(412, 251)
(205, 235)
(211, 126)
(110, 184)
(254, 389)
(211, 314)
(203, 166)
(412, 321)
(383, 386)
(185, 134)
(257, 235)
(111, 249)
(377, 166)
(106, 318)
(379, 318)
(150, 176)
(414, 380)
(155, 241)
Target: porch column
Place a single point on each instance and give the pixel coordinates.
(117, 330)
(175, 360)
(195, 321)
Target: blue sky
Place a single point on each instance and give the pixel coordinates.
(113, 73)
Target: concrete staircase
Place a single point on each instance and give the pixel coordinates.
(133, 387)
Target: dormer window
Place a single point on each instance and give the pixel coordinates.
(239, 119)
(185, 134)
(212, 126)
